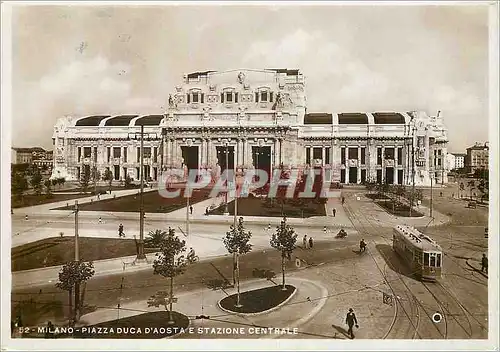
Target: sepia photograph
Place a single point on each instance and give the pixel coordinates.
(250, 175)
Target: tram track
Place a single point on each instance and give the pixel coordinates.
(456, 319)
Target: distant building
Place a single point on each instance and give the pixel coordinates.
(459, 160)
(34, 155)
(477, 157)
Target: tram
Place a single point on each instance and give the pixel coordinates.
(419, 252)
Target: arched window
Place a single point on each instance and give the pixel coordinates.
(229, 96)
(195, 96)
(264, 95)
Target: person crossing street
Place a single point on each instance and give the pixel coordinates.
(120, 231)
(351, 321)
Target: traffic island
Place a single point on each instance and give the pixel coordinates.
(398, 208)
(153, 325)
(262, 300)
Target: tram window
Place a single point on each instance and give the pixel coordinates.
(426, 258)
(438, 264)
(433, 259)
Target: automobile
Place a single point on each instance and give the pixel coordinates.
(471, 205)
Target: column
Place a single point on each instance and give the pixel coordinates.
(165, 151)
(278, 152)
(383, 164)
(201, 153)
(346, 152)
(240, 152)
(395, 177)
(358, 172)
(323, 156)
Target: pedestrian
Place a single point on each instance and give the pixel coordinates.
(343, 200)
(311, 242)
(206, 211)
(26, 217)
(334, 211)
(304, 242)
(98, 196)
(100, 220)
(440, 194)
(453, 195)
(324, 229)
(362, 246)
(120, 231)
(484, 264)
(191, 209)
(351, 321)
(269, 227)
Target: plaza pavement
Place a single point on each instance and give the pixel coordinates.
(206, 240)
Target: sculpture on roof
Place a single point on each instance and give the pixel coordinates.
(172, 102)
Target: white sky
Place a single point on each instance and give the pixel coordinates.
(84, 60)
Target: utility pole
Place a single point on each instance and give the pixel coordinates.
(186, 193)
(226, 210)
(431, 172)
(77, 260)
(140, 252)
(412, 170)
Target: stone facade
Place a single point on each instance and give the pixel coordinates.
(254, 119)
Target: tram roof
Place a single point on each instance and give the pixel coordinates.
(417, 238)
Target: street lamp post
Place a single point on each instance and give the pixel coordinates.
(431, 174)
(226, 210)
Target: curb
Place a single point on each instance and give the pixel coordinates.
(258, 313)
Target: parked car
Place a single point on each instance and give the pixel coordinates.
(471, 205)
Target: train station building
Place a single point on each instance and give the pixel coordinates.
(254, 119)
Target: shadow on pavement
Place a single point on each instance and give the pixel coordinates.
(393, 261)
(341, 330)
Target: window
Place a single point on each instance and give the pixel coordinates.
(79, 153)
(195, 97)
(400, 156)
(389, 153)
(155, 154)
(426, 259)
(438, 262)
(317, 153)
(229, 97)
(379, 156)
(308, 155)
(87, 151)
(125, 155)
(108, 153)
(327, 155)
(263, 96)
(433, 259)
(147, 152)
(353, 153)
(117, 152)
(138, 155)
(363, 156)
(342, 155)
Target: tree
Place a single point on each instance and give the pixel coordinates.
(128, 181)
(155, 238)
(170, 262)
(84, 180)
(237, 243)
(472, 186)
(48, 187)
(36, 181)
(72, 274)
(18, 185)
(108, 176)
(284, 240)
(96, 175)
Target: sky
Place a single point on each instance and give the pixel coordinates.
(85, 60)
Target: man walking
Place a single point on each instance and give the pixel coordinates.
(311, 242)
(343, 200)
(484, 264)
(191, 209)
(362, 246)
(120, 231)
(304, 242)
(334, 211)
(351, 320)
